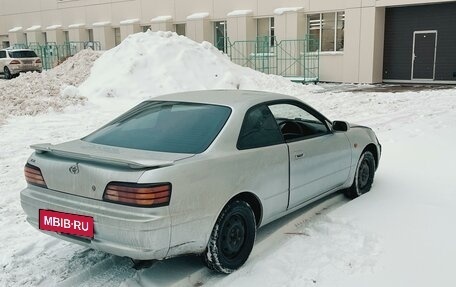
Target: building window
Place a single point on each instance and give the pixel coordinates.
(117, 38)
(90, 35)
(220, 37)
(265, 28)
(5, 44)
(328, 31)
(180, 29)
(66, 35)
(340, 31)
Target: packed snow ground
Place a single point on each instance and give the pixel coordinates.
(399, 234)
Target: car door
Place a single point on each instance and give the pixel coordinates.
(319, 159)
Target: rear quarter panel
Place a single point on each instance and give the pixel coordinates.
(202, 186)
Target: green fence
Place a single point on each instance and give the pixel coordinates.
(52, 54)
(257, 54)
(288, 58)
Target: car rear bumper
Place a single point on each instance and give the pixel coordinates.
(16, 69)
(138, 233)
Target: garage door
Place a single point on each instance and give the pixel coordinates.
(420, 43)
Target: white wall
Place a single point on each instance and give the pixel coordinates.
(361, 60)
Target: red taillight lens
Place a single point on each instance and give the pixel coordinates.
(143, 195)
(33, 176)
(15, 62)
(38, 61)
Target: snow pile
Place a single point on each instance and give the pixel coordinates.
(154, 63)
(34, 93)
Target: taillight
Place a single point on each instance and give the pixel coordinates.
(33, 176)
(38, 61)
(15, 62)
(143, 195)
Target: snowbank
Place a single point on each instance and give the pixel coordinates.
(34, 93)
(154, 63)
(143, 66)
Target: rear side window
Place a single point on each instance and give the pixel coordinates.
(23, 54)
(2, 54)
(164, 127)
(259, 129)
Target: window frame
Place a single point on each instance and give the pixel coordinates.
(271, 30)
(309, 110)
(265, 104)
(216, 24)
(299, 104)
(117, 36)
(320, 28)
(127, 115)
(179, 26)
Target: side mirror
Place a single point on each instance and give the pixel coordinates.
(340, 126)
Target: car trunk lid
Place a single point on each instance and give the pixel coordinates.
(84, 169)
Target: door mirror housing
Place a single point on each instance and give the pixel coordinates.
(340, 126)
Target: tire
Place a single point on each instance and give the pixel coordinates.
(232, 238)
(364, 176)
(7, 73)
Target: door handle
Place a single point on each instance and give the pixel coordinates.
(299, 156)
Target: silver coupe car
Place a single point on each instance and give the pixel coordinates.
(195, 173)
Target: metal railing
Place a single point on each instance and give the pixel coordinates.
(294, 59)
(52, 54)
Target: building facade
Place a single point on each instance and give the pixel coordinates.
(358, 41)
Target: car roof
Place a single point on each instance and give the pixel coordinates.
(231, 98)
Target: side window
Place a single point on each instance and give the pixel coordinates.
(2, 54)
(259, 129)
(295, 122)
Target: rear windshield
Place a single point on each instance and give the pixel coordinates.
(164, 127)
(22, 54)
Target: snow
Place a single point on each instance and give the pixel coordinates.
(78, 25)
(33, 28)
(34, 93)
(155, 63)
(101, 24)
(280, 11)
(53, 27)
(15, 29)
(399, 234)
(160, 19)
(197, 16)
(129, 21)
(239, 13)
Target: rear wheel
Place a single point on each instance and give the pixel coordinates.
(364, 176)
(7, 73)
(232, 238)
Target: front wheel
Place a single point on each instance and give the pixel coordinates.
(232, 238)
(7, 73)
(364, 176)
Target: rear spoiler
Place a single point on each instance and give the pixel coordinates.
(112, 159)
